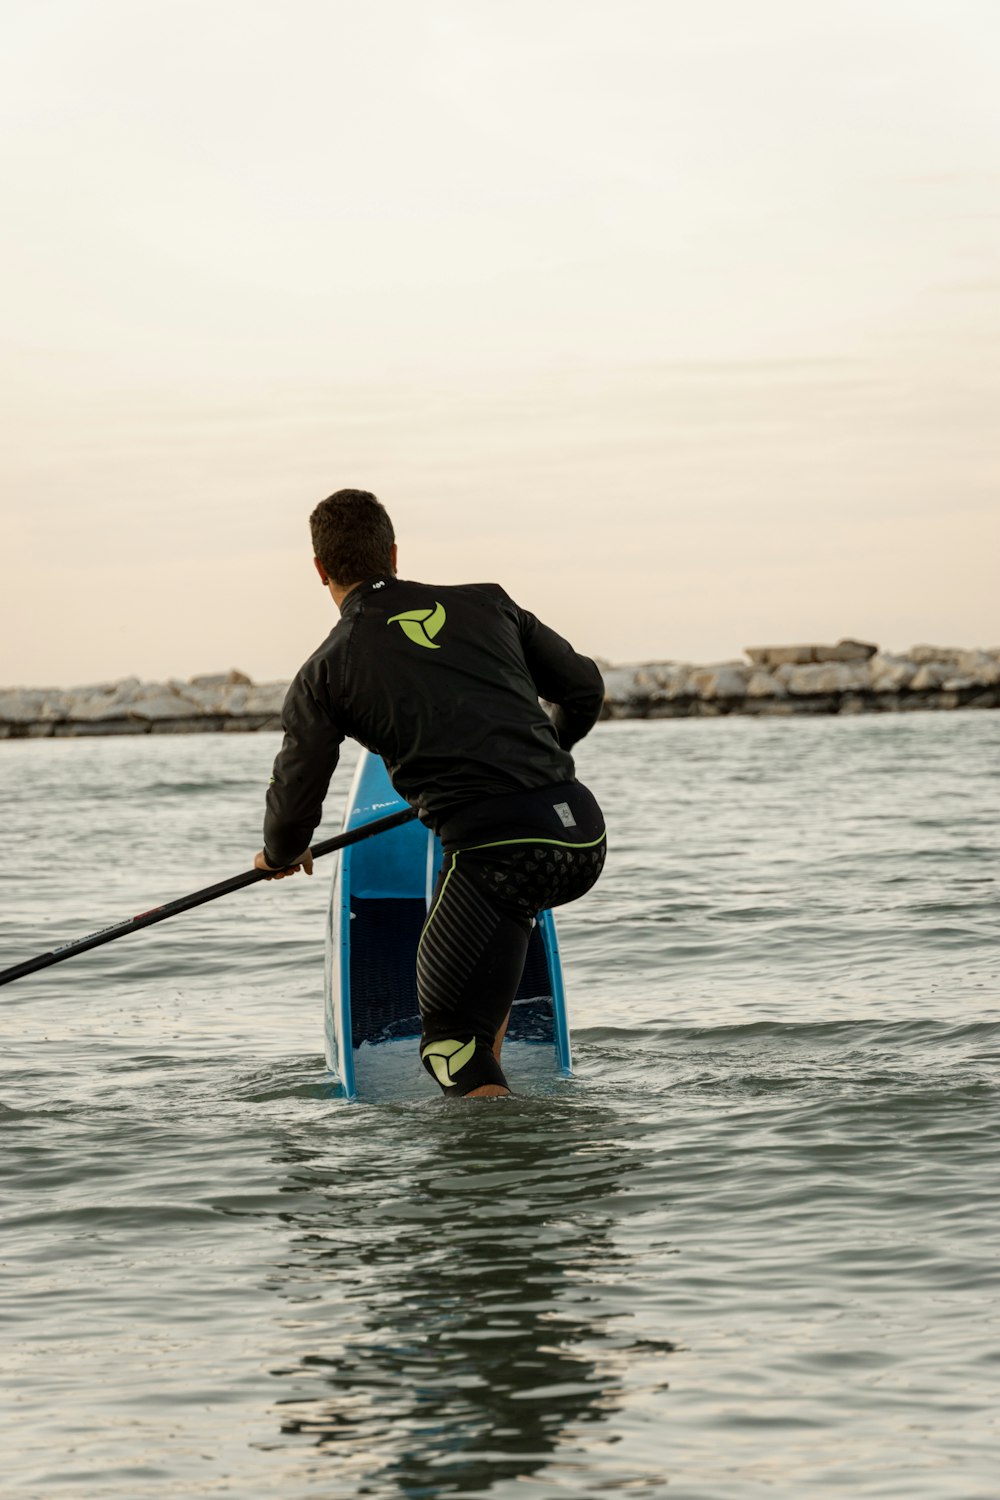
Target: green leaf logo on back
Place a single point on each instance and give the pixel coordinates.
(421, 625)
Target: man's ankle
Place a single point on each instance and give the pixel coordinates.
(488, 1091)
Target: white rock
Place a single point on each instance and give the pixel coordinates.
(160, 705)
(825, 677)
(206, 700)
(105, 701)
(847, 650)
(85, 707)
(779, 656)
(792, 656)
(981, 666)
(232, 678)
(846, 676)
(266, 698)
(890, 674)
(649, 674)
(22, 705)
(931, 674)
(764, 684)
(623, 682)
(673, 680)
(925, 655)
(724, 679)
(52, 708)
(232, 698)
(149, 690)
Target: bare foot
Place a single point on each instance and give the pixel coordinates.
(488, 1091)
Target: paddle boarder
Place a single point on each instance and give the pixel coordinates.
(443, 682)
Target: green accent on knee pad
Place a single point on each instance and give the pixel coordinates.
(447, 1059)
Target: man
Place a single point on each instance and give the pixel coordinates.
(443, 683)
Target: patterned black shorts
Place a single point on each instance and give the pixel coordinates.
(475, 939)
(528, 878)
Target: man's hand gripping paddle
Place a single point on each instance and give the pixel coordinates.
(197, 898)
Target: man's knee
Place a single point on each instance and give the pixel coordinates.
(461, 1064)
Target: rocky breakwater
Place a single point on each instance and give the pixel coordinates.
(849, 677)
(225, 701)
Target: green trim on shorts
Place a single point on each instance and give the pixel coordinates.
(560, 843)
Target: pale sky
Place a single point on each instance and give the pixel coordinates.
(682, 321)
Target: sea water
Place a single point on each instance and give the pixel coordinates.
(749, 1250)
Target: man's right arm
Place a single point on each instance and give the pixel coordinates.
(563, 677)
(306, 761)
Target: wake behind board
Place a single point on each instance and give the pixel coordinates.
(381, 892)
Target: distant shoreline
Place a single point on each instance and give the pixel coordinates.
(850, 677)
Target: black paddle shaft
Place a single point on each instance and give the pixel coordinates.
(197, 898)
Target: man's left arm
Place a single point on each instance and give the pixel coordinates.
(302, 771)
(570, 682)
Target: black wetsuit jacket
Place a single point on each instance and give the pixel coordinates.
(443, 683)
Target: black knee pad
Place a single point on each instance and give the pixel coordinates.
(461, 1064)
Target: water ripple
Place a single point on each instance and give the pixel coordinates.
(748, 1251)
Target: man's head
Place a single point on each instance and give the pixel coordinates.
(352, 538)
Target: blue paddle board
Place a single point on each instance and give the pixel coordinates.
(382, 889)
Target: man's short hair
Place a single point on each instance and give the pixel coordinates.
(352, 536)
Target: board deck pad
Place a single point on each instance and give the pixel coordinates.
(381, 891)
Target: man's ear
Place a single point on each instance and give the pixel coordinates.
(324, 580)
(393, 554)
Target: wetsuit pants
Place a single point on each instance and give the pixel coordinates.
(504, 861)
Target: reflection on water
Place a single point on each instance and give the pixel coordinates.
(778, 1154)
(449, 1332)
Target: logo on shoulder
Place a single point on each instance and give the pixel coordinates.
(421, 625)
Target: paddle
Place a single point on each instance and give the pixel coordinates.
(197, 898)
